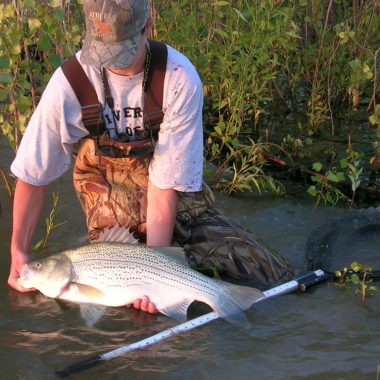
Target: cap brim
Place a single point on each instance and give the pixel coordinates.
(109, 54)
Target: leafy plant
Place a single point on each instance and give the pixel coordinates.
(374, 120)
(246, 169)
(354, 170)
(238, 72)
(325, 188)
(362, 286)
(259, 62)
(338, 47)
(35, 37)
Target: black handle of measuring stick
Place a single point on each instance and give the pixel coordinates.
(309, 279)
(85, 364)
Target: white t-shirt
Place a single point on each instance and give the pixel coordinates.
(46, 148)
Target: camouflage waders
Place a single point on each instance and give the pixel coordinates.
(114, 191)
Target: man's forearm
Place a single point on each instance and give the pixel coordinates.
(161, 214)
(27, 205)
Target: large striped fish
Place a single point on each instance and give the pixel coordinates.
(115, 274)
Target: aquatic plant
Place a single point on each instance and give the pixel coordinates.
(50, 223)
(325, 185)
(362, 285)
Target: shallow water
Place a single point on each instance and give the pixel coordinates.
(327, 332)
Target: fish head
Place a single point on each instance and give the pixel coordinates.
(50, 275)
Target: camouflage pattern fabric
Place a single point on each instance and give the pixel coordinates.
(221, 248)
(114, 191)
(113, 31)
(111, 190)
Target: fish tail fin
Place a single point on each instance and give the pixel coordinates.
(234, 300)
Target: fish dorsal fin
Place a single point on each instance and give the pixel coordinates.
(176, 253)
(177, 310)
(117, 234)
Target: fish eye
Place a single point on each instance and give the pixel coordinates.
(37, 265)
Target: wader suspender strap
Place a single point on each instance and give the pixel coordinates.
(91, 108)
(155, 85)
(85, 93)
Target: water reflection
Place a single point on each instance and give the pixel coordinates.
(55, 332)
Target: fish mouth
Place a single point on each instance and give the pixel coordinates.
(24, 279)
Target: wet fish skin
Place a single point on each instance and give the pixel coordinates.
(115, 274)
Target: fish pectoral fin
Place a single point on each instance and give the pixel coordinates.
(83, 293)
(91, 313)
(176, 253)
(177, 310)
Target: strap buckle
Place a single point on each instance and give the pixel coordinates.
(92, 114)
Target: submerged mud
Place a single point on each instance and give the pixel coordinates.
(352, 237)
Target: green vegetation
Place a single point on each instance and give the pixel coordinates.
(361, 284)
(291, 87)
(35, 36)
(50, 223)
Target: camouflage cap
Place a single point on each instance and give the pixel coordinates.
(113, 31)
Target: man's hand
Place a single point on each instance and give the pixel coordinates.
(144, 304)
(18, 260)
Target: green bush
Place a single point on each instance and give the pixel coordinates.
(259, 61)
(35, 36)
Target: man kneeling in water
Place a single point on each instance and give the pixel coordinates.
(132, 169)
